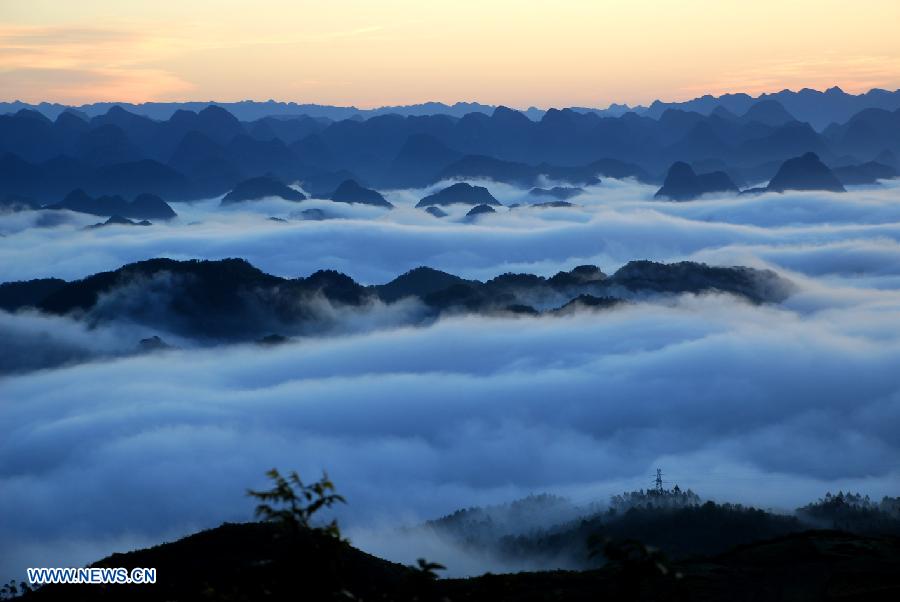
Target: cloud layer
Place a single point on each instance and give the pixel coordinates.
(765, 405)
(615, 223)
(417, 422)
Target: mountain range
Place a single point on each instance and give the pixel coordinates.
(206, 153)
(819, 108)
(231, 300)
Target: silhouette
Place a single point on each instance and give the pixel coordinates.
(351, 192)
(683, 184)
(805, 173)
(262, 187)
(143, 206)
(460, 193)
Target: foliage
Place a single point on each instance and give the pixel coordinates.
(12, 591)
(855, 513)
(630, 556)
(428, 569)
(651, 498)
(292, 503)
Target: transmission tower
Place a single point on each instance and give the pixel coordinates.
(659, 481)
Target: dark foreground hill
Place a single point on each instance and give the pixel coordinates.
(255, 561)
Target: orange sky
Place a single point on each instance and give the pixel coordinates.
(372, 53)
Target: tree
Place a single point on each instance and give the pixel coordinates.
(298, 501)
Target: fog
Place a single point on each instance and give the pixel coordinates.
(767, 405)
(615, 222)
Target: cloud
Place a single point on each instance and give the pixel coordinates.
(417, 422)
(617, 222)
(769, 405)
(76, 64)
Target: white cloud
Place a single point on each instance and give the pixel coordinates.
(759, 404)
(470, 410)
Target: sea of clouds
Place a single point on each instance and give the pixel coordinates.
(769, 405)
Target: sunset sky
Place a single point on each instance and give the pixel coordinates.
(372, 53)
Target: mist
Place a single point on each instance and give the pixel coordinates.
(615, 222)
(764, 404)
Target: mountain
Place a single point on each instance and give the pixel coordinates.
(264, 156)
(417, 282)
(553, 205)
(806, 172)
(248, 110)
(150, 206)
(206, 163)
(768, 112)
(461, 193)
(498, 170)
(143, 206)
(106, 145)
(683, 184)
(818, 108)
(17, 202)
(28, 293)
(865, 132)
(254, 561)
(435, 211)
(351, 192)
(525, 175)
(118, 220)
(864, 173)
(419, 161)
(480, 210)
(230, 300)
(202, 151)
(261, 187)
(889, 158)
(561, 193)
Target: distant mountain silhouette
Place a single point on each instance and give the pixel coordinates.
(144, 206)
(553, 204)
(866, 131)
(524, 175)
(351, 192)
(806, 172)
(198, 150)
(768, 112)
(417, 282)
(321, 183)
(118, 220)
(480, 210)
(683, 184)
(864, 173)
(460, 193)
(17, 202)
(435, 211)
(419, 161)
(262, 187)
(206, 163)
(314, 215)
(561, 193)
(889, 158)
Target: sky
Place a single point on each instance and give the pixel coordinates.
(364, 53)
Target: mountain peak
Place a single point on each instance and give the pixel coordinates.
(806, 172)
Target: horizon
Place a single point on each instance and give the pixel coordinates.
(520, 108)
(504, 53)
